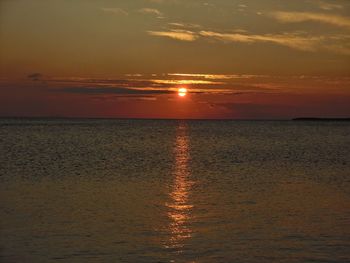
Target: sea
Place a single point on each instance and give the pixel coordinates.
(119, 190)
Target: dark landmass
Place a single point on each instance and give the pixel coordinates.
(59, 118)
(321, 119)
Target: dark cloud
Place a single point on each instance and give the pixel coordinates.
(135, 85)
(111, 90)
(128, 83)
(35, 76)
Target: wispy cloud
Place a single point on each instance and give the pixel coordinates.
(242, 7)
(114, 10)
(35, 76)
(298, 41)
(168, 84)
(328, 6)
(111, 90)
(297, 17)
(184, 25)
(127, 97)
(151, 87)
(150, 11)
(185, 81)
(157, 1)
(183, 35)
(292, 40)
(336, 45)
(212, 76)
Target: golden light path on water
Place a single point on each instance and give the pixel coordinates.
(180, 206)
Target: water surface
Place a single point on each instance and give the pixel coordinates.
(174, 191)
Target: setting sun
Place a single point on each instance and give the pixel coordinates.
(182, 92)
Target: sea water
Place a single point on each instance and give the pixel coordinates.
(174, 191)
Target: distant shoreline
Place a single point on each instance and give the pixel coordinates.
(321, 119)
(174, 119)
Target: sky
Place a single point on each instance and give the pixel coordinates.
(252, 59)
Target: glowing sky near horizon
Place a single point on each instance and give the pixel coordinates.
(238, 59)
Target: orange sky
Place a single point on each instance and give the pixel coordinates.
(256, 59)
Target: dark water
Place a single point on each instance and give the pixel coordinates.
(174, 191)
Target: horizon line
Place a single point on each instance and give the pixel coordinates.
(180, 119)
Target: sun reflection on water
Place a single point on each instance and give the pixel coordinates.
(180, 205)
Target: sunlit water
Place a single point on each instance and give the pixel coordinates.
(174, 191)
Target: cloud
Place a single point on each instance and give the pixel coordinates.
(298, 41)
(122, 83)
(297, 17)
(35, 76)
(177, 24)
(242, 7)
(157, 1)
(338, 48)
(213, 76)
(328, 6)
(184, 25)
(125, 98)
(114, 10)
(197, 84)
(185, 81)
(183, 35)
(111, 90)
(166, 86)
(165, 1)
(150, 11)
(292, 40)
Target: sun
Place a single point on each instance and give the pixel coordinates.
(182, 92)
